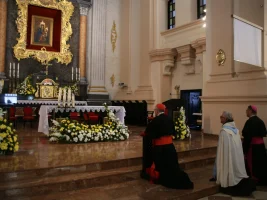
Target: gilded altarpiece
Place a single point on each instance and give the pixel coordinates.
(44, 29)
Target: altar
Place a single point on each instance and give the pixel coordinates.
(46, 109)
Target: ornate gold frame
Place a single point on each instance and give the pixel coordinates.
(43, 56)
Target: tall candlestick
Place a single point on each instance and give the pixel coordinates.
(18, 71)
(10, 69)
(59, 96)
(72, 74)
(14, 70)
(64, 96)
(69, 97)
(76, 73)
(73, 100)
(79, 74)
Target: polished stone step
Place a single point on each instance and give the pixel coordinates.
(187, 160)
(137, 189)
(73, 181)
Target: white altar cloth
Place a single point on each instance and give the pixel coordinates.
(44, 110)
(48, 102)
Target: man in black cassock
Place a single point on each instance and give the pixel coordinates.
(160, 160)
(254, 148)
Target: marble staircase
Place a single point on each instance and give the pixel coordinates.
(118, 179)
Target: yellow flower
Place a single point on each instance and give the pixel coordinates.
(3, 146)
(15, 138)
(10, 149)
(61, 129)
(2, 126)
(3, 135)
(5, 120)
(68, 121)
(16, 148)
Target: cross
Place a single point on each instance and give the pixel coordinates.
(46, 68)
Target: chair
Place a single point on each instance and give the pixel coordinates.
(12, 117)
(85, 118)
(75, 116)
(93, 117)
(28, 116)
(151, 117)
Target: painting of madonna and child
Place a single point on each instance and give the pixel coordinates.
(42, 31)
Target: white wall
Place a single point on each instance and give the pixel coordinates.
(187, 81)
(112, 58)
(186, 11)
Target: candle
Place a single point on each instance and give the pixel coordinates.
(10, 69)
(76, 73)
(59, 96)
(73, 100)
(64, 96)
(69, 97)
(72, 74)
(18, 71)
(14, 70)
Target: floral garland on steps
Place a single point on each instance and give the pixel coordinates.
(74, 132)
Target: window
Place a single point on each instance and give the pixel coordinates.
(171, 14)
(201, 8)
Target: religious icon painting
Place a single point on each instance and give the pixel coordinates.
(42, 31)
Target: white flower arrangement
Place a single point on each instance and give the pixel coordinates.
(75, 132)
(182, 130)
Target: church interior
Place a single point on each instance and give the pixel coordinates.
(80, 79)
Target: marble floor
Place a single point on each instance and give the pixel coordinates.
(86, 171)
(260, 194)
(36, 152)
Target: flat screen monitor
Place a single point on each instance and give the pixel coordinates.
(11, 98)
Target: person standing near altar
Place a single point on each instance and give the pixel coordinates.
(253, 146)
(160, 160)
(230, 167)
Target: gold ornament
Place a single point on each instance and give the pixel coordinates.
(220, 57)
(112, 80)
(43, 56)
(113, 36)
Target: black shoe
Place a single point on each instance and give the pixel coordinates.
(144, 175)
(213, 179)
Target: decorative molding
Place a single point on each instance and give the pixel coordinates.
(84, 10)
(85, 5)
(112, 80)
(167, 67)
(199, 23)
(254, 98)
(113, 36)
(187, 57)
(162, 54)
(220, 57)
(166, 56)
(199, 45)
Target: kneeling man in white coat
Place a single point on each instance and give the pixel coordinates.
(230, 168)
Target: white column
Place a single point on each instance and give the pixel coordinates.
(98, 48)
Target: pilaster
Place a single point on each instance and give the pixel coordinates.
(98, 49)
(3, 18)
(84, 8)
